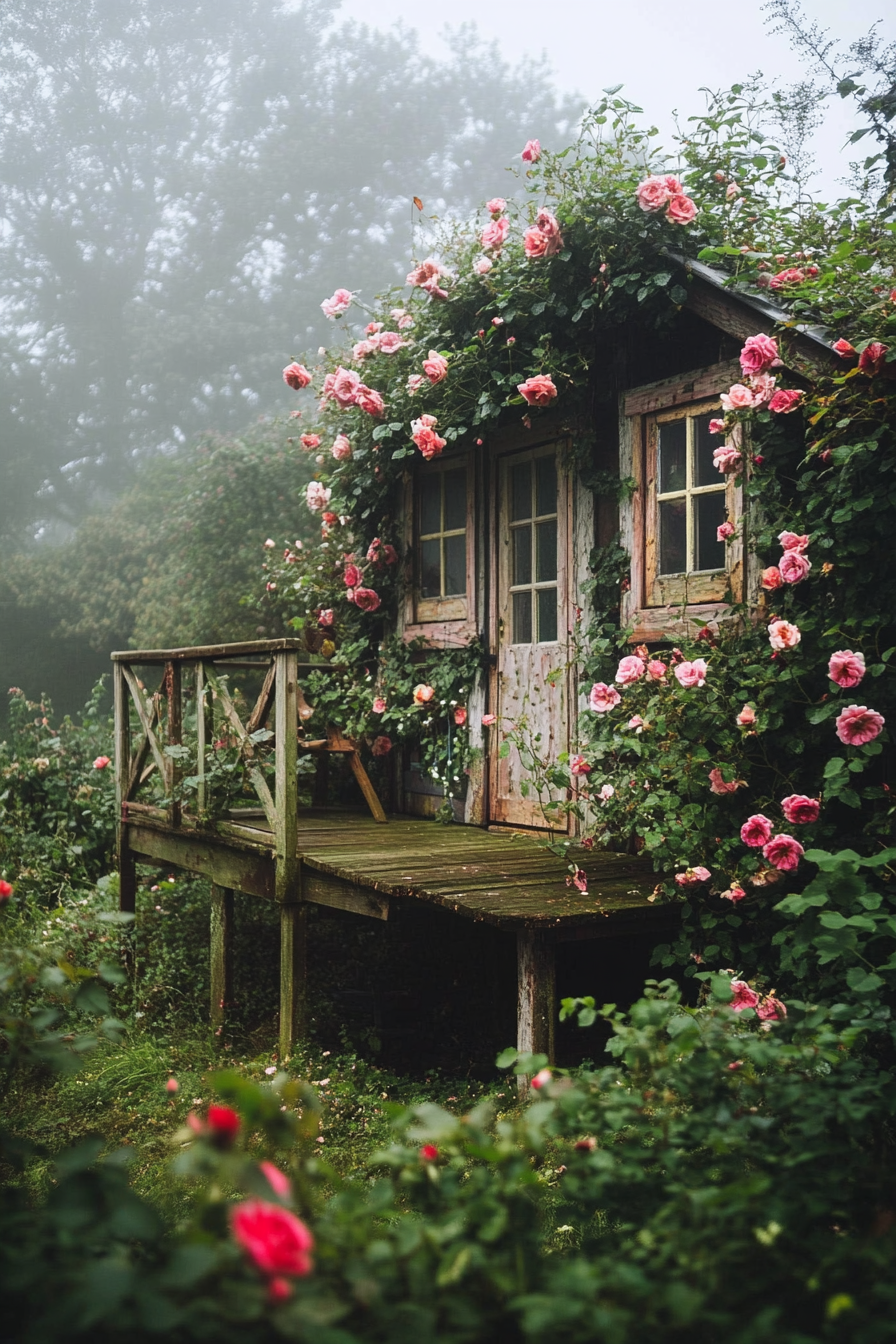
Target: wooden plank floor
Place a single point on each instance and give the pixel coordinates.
(508, 880)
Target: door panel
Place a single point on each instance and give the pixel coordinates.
(532, 606)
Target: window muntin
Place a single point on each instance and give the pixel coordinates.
(691, 498)
(442, 534)
(532, 488)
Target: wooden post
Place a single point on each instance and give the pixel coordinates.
(536, 994)
(127, 868)
(293, 930)
(286, 797)
(203, 736)
(175, 737)
(221, 949)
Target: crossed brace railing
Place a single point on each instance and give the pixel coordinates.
(158, 718)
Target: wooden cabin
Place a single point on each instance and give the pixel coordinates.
(501, 534)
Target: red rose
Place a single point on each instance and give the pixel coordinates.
(872, 358)
(5, 890)
(275, 1240)
(223, 1123)
(367, 599)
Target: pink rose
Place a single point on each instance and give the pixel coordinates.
(783, 853)
(425, 437)
(342, 449)
(734, 893)
(579, 766)
(728, 460)
(338, 304)
(637, 723)
(782, 403)
(844, 349)
(488, 720)
(724, 531)
(460, 716)
(382, 745)
(681, 209)
(344, 386)
(275, 1240)
(351, 576)
(857, 725)
(652, 194)
(482, 265)
(532, 152)
(871, 359)
(771, 1009)
(606, 792)
(656, 670)
(325, 616)
(379, 705)
(373, 328)
(759, 354)
(496, 206)
(279, 1183)
(692, 876)
(603, 697)
(630, 669)
(691, 674)
(435, 367)
(538, 391)
(389, 342)
(367, 599)
(673, 185)
(717, 426)
(494, 235)
(722, 786)
(415, 382)
(317, 496)
(547, 224)
(310, 441)
(747, 717)
(792, 276)
(369, 401)
(846, 668)
(744, 996)
(541, 1079)
(771, 578)
(101, 762)
(424, 275)
(423, 694)
(782, 635)
(535, 243)
(793, 541)
(756, 831)
(762, 385)
(794, 566)
(296, 376)
(361, 349)
(800, 810)
(737, 398)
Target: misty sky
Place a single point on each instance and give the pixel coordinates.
(661, 52)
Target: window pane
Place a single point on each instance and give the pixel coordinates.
(673, 451)
(545, 485)
(545, 551)
(431, 502)
(455, 566)
(704, 446)
(522, 618)
(709, 513)
(522, 555)
(455, 499)
(673, 537)
(521, 491)
(547, 615)
(431, 568)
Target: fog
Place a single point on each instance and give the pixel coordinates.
(182, 185)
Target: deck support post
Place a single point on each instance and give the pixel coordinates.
(221, 954)
(127, 867)
(536, 993)
(293, 933)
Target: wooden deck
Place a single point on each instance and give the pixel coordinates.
(347, 860)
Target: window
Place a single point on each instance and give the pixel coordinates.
(532, 498)
(687, 500)
(441, 542)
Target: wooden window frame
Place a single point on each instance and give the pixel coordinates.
(657, 606)
(443, 619)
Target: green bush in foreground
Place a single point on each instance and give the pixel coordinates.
(722, 1177)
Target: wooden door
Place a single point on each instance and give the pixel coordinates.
(530, 629)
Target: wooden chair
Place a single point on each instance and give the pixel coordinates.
(336, 743)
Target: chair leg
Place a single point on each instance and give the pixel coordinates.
(367, 788)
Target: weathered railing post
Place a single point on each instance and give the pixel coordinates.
(203, 735)
(175, 738)
(287, 876)
(127, 868)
